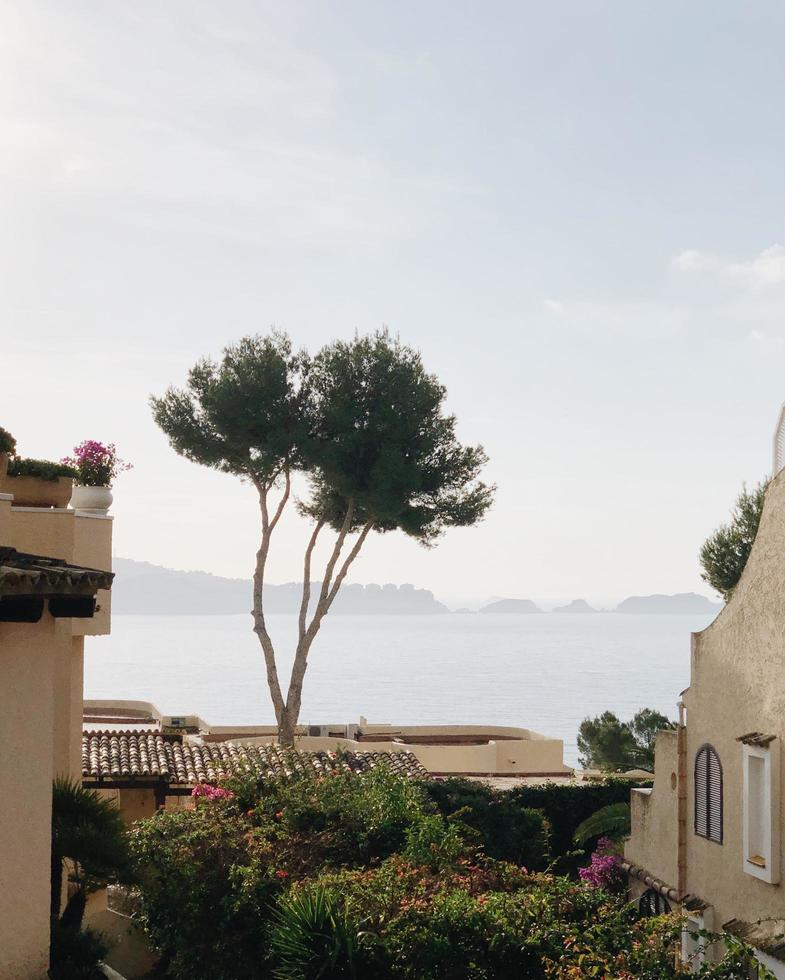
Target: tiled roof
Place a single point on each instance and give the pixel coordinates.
(22, 574)
(767, 935)
(115, 755)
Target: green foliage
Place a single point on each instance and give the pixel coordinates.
(88, 831)
(362, 418)
(724, 554)
(615, 746)
(565, 807)
(498, 823)
(610, 821)
(207, 880)
(42, 469)
(313, 938)
(248, 415)
(7, 442)
(75, 954)
(381, 439)
(271, 884)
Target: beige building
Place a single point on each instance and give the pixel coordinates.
(708, 837)
(54, 591)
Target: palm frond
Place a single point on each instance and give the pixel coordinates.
(609, 821)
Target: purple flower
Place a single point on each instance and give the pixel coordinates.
(97, 465)
(604, 871)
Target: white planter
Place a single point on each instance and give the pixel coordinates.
(94, 500)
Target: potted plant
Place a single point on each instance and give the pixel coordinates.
(39, 482)
(7, 448)
(96, 467)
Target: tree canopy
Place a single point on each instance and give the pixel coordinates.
(724, 554)
(607, 743)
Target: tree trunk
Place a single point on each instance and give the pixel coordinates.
(326, 598)
(73, 913)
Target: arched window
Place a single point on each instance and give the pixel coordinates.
(652, 903)
(708, 794)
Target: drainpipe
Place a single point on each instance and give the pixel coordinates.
(681, 755)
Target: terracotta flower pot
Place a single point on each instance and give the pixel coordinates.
(94, 500)
(32, 491)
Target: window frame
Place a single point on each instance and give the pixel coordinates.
(769, 808)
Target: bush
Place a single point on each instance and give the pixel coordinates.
(7, 442)
(360, 876)
(42, 469)
(206, 883)
(75, 954)
(566, 807)
(724, 555)
(503, 828)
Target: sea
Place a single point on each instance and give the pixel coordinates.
(545, 672)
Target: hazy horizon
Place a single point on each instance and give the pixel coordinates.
(469, 600)
(573, 210)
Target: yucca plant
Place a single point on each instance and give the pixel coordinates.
(610, 821)
(313, 938)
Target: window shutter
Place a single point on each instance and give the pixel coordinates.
(708, 794)
(715, 797)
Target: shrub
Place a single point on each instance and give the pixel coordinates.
(313, 938)
(43, 469)
(495, 820)
(566, 807)
(7, 442)
(75, 954)
(206, 882)
(724, 554)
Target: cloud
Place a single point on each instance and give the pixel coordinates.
(691, 260)
(554, 306)
(767, 269)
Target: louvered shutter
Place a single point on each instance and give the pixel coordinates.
(701, 795)
(714, 797)
(708, 795)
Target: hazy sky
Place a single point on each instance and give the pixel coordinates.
(575, 210)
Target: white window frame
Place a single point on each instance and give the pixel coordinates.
(768, 808)
(695, 952)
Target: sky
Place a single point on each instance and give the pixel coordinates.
(574, 210)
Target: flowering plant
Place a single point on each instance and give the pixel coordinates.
(209, 792)
(96, 464)
(212, 792)
(604, 871)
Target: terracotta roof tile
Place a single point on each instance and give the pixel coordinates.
(113, 755)
(22, 574)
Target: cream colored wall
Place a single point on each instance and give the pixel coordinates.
(41, 690)
(27, 668)
(653, 844)
(738, 686)
(82, 539)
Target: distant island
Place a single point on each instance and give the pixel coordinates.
(511, 606)
(682, 602)
(141, 588)
(576, 606)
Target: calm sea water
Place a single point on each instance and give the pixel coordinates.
(545, 672)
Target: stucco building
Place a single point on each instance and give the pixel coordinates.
(708, 837)
(54, 591)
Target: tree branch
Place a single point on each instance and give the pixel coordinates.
(294, 694)
(328, 572)
(307, 581)
(260, 626)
